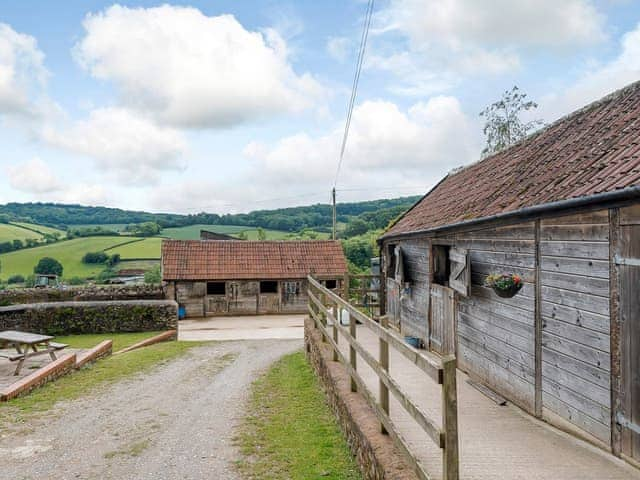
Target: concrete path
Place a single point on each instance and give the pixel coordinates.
(175, 422)
(495, 442)
(250, 327)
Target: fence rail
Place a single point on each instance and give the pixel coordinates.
(324, 306)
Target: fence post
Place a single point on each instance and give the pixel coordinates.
(345, 287)
(352, 351)
(450, 461)
(384, 363)
(323, 315)
(335, 331)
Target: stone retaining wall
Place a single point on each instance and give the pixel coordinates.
(375, 453)
(62, 318)
(76, 294)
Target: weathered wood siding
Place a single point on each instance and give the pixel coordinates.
(413, 306)
(496, 336)
(190, 295)
(574, 282)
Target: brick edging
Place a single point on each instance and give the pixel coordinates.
(375, 453)
(101, 350)
(53, 370)
(163, 337)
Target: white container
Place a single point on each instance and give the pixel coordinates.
(344, 317)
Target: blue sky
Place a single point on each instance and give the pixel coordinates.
(234, 106)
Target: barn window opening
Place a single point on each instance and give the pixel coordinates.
(331, 284)
(391, 261)
(441, 265)
(268, 287)
(216, 288)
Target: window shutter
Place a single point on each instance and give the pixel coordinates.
(460, 276)
(399, 273)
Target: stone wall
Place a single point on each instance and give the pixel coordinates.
(62, 318)
(375, 453)
(75, 294)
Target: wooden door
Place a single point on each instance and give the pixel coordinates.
(627, 260)
(393, 302)
(442, 320)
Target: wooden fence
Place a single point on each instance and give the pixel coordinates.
(323, 308)
(364, 291)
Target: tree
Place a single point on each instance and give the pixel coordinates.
(355, 227)
(503, 126)
(48, 266)
(262, 235)
(242, 236)
(95, 257)
(4, 218)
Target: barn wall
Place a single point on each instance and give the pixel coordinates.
(410, 308)
(496, 336)
(243, 298)
(575, 320)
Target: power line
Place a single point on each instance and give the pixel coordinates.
(354, 87)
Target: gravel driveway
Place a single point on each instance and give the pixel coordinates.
(175, 422)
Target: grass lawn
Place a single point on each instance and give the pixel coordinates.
(68, 252)
(289, 431)
(100, 374)
(145, 248)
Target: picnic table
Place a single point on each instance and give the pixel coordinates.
(27, 345)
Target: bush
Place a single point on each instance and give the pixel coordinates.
(48, 266)
(30, 281)
(15, 279)
(105, 275)
(95, 257)
(153, 275)
(113, 260)
(76, 281)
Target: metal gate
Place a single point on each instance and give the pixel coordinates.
(627, 260)
(442, 337)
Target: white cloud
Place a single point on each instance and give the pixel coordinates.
(33, 176)
(390, 152)
(21, 71)
(447, 39)
(598, 80)
(339, 48)
(191, 70)
(127, 145)
(87, 194)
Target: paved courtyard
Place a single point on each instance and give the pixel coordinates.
(496, 442)
(250, 327)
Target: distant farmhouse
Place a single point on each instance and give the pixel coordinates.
(220, 277)
(560, 209)
(207, 235)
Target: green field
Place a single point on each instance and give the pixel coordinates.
(144, 248)
(68, 252)
(9, 233)
(117, 227)
(41, 228)
(192, 232)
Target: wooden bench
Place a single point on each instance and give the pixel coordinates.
(26, 345)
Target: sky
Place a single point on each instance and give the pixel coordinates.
(227, 106)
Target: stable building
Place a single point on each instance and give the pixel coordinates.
(221, 277)
(560, 209)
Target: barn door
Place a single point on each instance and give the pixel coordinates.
(442, 320)
(627, 259)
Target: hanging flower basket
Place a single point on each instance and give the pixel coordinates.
(505, 285)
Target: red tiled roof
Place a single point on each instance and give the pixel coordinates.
(594, 150)
(230, 260)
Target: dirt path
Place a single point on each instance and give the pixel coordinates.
(176, 422)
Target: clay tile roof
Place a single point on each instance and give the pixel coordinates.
(237, 260)
(593, 150)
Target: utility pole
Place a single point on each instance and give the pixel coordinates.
(333, 201)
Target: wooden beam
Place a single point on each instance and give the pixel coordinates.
(384, 364)
(614, 319)
(450, 453)
(538, 325)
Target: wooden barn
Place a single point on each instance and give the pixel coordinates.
(221, 277)
(561, 209)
